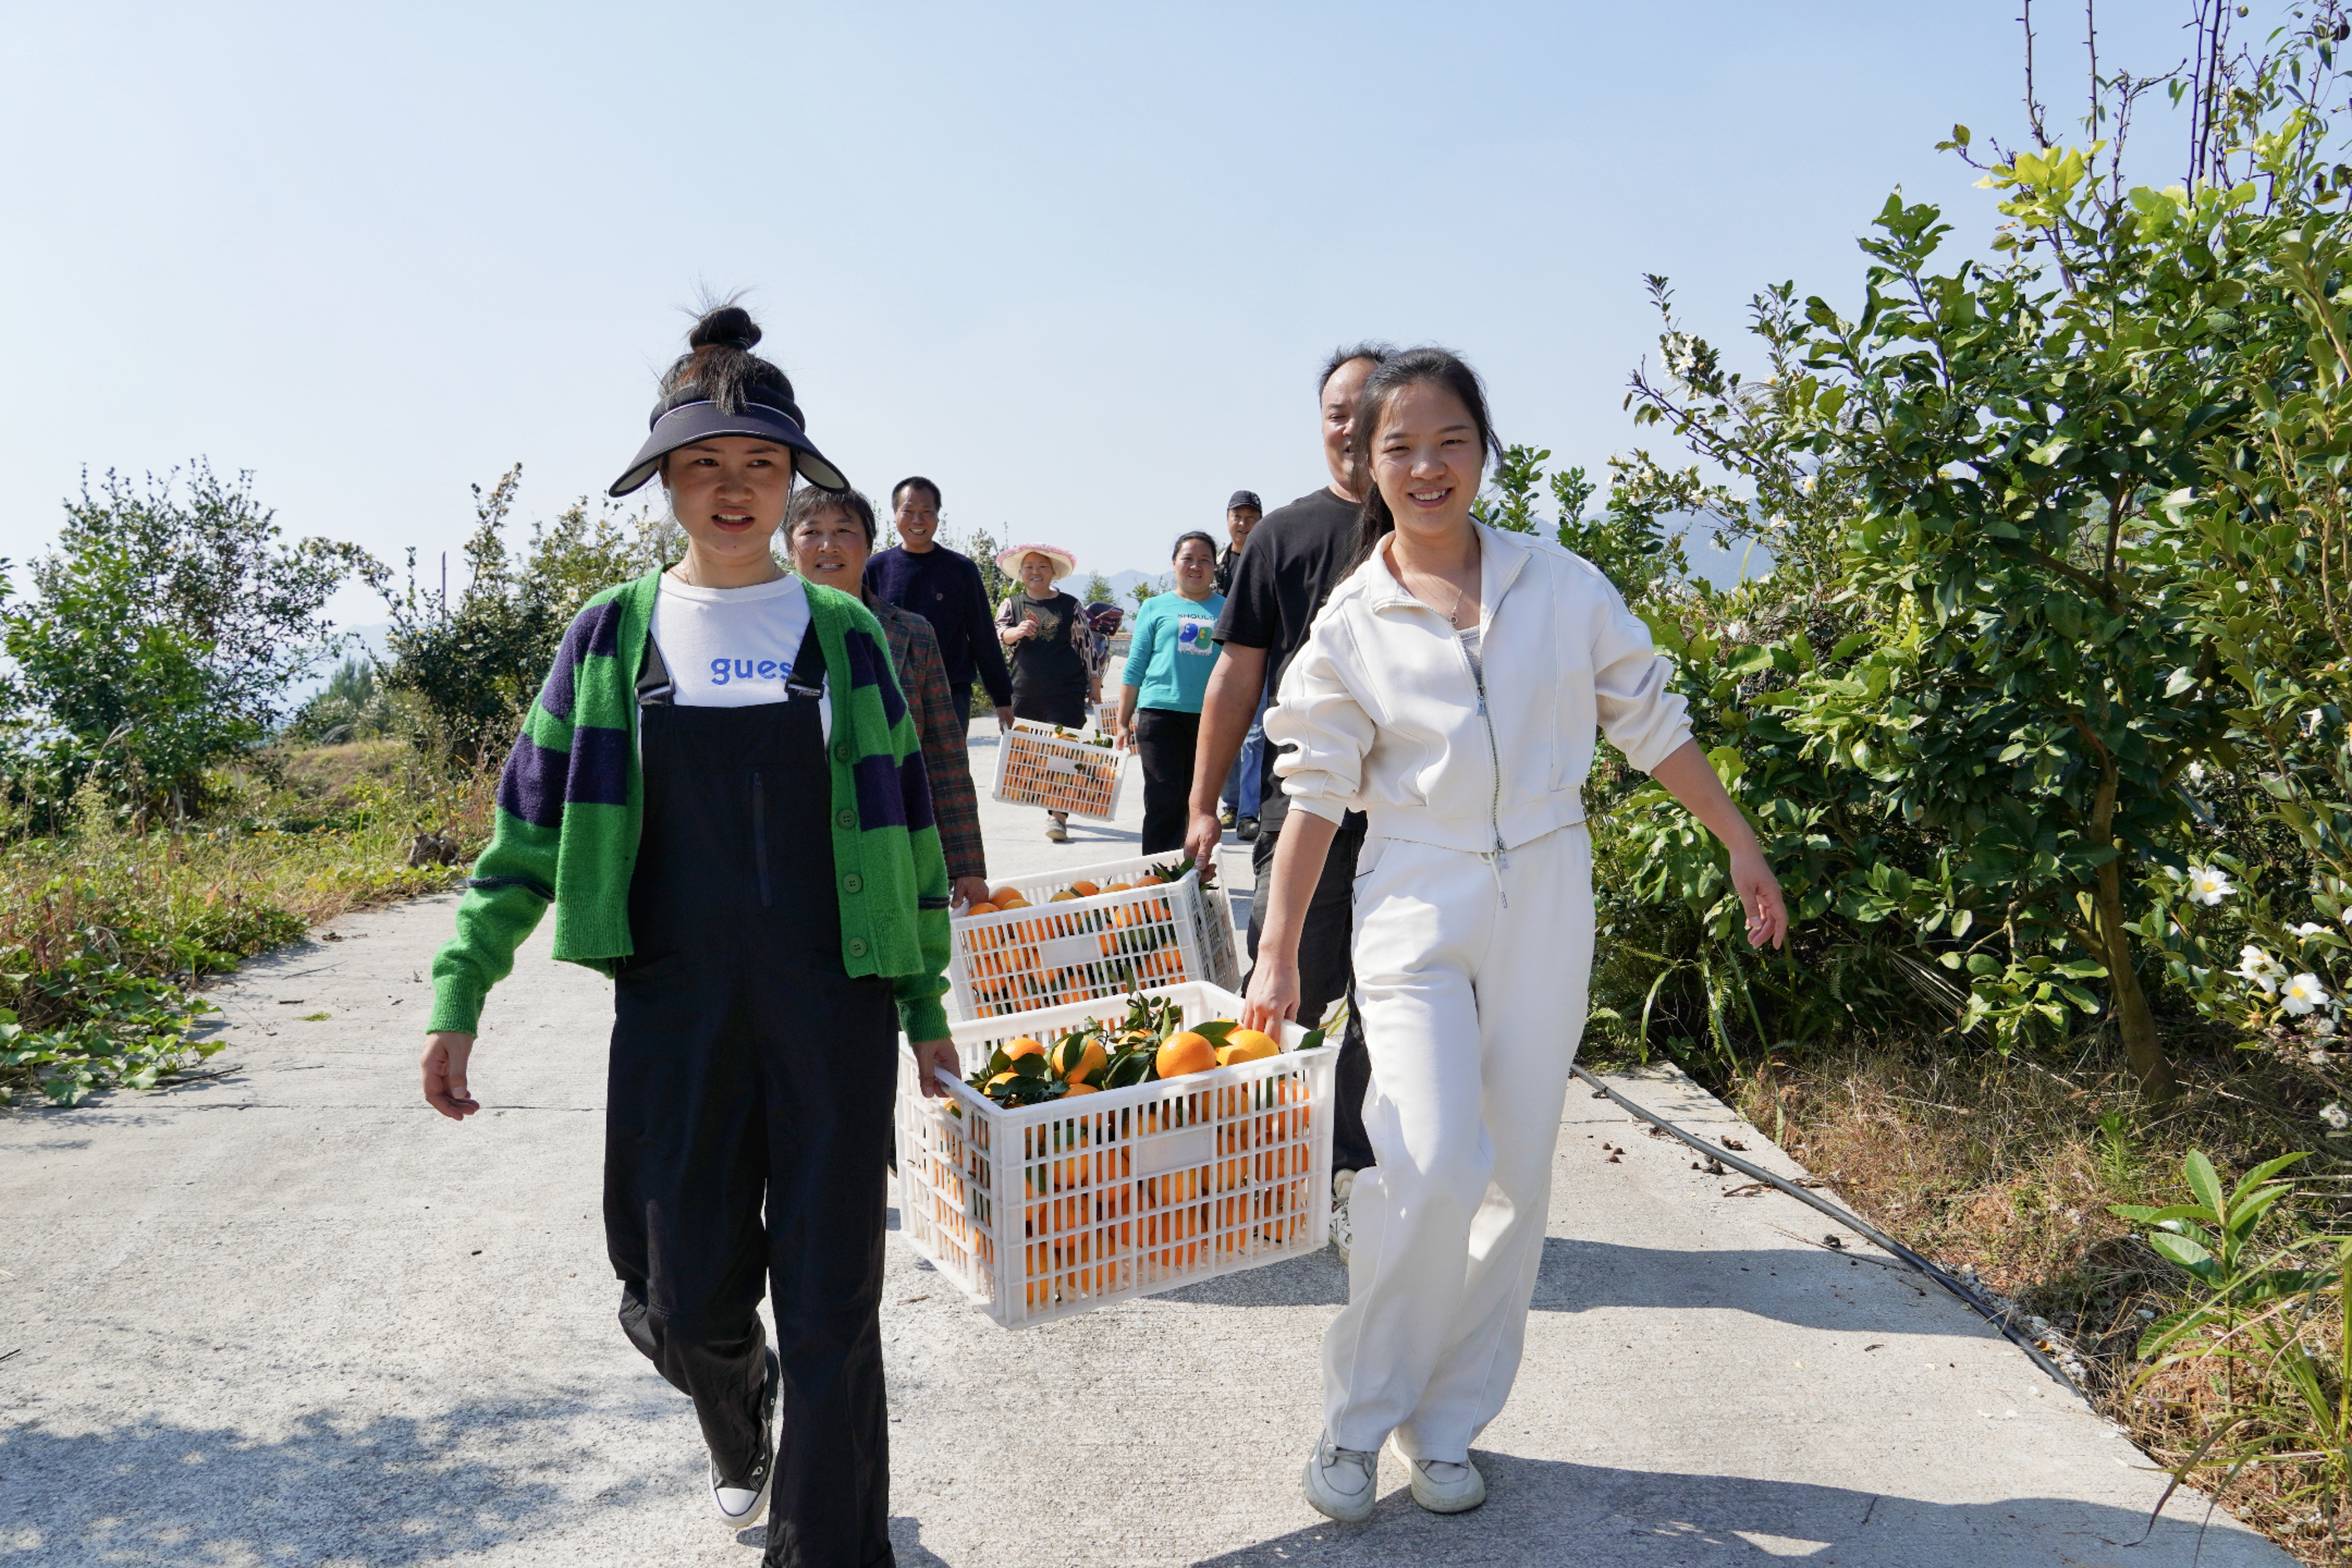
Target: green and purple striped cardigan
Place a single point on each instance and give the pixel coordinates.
(571, 799)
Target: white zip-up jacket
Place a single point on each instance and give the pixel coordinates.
(1387, 717)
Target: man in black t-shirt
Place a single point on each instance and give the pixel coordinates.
(1296, 557)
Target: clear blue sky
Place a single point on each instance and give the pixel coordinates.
(1078, 263)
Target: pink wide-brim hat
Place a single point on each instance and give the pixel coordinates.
(1009, 560)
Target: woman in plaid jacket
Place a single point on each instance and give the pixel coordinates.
(831, 534)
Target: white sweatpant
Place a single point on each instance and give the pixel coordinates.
(1472, 1011)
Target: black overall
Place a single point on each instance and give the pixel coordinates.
(749, 1068)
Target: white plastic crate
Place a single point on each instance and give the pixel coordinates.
(1164, 934)
(1036, 767)
(1050, 1210)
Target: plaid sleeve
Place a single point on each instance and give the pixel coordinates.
(954, 804)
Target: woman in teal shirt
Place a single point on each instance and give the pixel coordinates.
(1168, 662)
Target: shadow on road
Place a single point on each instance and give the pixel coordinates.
(906, 1543)
(1316, 1279)
(1816, 1289)
(1819, 1291)
(1549, 1511)
(386, 1491)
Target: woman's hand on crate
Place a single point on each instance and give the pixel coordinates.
(1273, 999)
(933, 1059)
(446, 1053)
(967, 891)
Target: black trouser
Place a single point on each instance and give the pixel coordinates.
(1326, 973)
(1164, 738)
(750, 1072)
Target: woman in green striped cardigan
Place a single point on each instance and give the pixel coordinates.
(721, 794)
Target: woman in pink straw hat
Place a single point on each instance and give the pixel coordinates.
(1047, 642)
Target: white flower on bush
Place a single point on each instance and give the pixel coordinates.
(1736, 629)
(2259, 968)
(2335, 1116)
(2304, 994)
(2309, 928)
(2311, 721)
(2196, 773)
(2208, 885)
(2324, 1029)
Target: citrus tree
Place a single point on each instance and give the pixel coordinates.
(1974, 716)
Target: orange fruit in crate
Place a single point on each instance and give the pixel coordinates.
(1004, 896)
(1186, 1053)
(1080, 1061)
(1120, 888)
(1246, 1045)
(1063, 897)
(1085, 890)
(982, 908)
(1022, 1045)
(1079, 1086)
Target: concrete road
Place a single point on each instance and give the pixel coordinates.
(288, 1316)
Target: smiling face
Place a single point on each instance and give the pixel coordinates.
(728, 493)
(1196, 569)
(1037, 576)
(1238, 523)
(829, 548)
(916, 515)
(1427, 460)
(1339, 421)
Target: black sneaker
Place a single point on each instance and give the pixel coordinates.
(1225, 817)
(741, 1501)
(1247, 830)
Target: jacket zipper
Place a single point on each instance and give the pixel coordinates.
(759, 833)
(1495, 759)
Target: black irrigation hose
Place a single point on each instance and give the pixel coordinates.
(1949, 1282)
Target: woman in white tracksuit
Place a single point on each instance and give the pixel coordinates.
(1450, 688)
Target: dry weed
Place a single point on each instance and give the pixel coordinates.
(2008, 1165)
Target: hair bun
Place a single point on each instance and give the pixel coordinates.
(728, 325)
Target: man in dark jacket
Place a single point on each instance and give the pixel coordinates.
(922, 575)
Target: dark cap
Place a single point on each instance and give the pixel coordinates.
(1247, 498)
(766, 415)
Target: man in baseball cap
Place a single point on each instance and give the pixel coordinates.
(1241, 513)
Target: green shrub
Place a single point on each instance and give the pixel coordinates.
(107, 936)
(476, 666)
(1969, 708)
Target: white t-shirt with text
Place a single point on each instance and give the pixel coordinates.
(731, 648)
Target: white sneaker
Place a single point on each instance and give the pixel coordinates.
(1342, 1483)
(742, 1500)
(1444, 1487)
(1343, 1233)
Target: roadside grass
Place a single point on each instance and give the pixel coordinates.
(332, 776)
(107, 936)
(2008, 1167)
